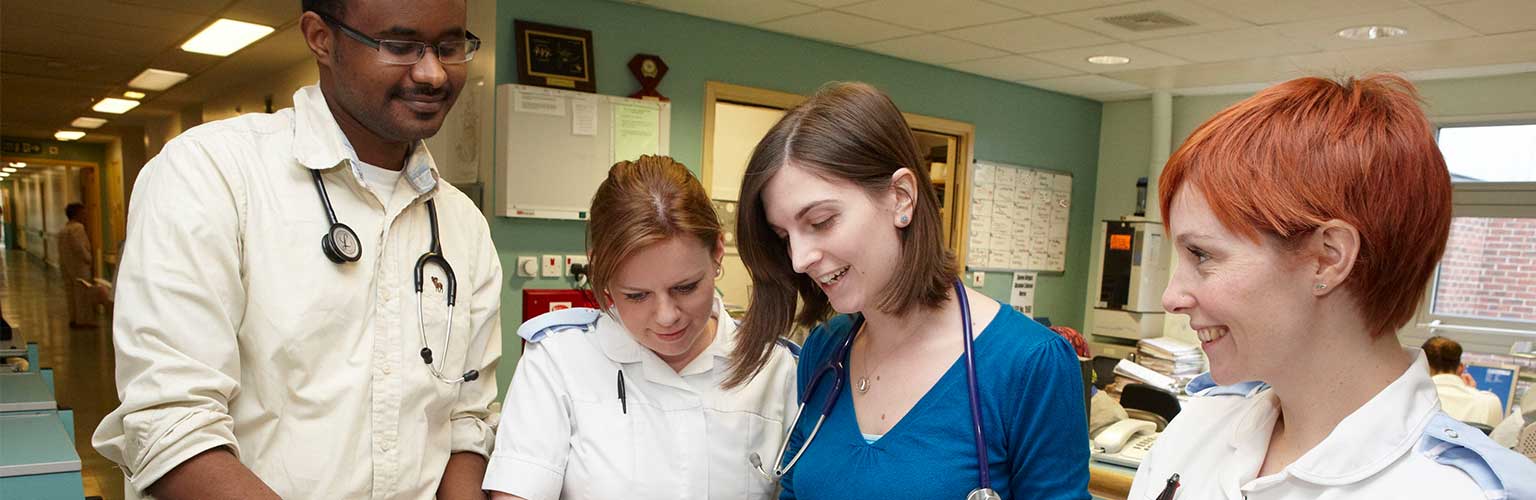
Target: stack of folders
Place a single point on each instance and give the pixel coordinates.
(1179, 360)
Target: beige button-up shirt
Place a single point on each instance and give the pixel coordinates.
(233, 329)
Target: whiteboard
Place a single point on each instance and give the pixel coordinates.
(1019, 218)
(556, 146)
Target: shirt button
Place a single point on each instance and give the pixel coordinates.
(387, 446)
(387, 369)
(1451, 433)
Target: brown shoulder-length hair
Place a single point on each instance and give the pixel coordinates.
(642, 202)
(848, 132)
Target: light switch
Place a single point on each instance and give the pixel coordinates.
(527, 266)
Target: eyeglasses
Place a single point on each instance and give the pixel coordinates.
(409, 52)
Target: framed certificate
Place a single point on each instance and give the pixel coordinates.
(554, 56)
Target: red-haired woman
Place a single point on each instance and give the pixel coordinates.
(1307, 221)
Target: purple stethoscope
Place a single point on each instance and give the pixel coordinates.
(835, 366)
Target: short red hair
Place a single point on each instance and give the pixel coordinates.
(1309, 150)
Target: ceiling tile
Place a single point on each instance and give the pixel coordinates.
(932, 49)
(198, 7)
(1512, 48)
(837, 27)
(1228, 45)
(1083, 85)
(1204, 19)
(734, 11)
(270, 13)
(1273, 12)
(1028, 35)
(1422, 25)
(1077, 58)
(1013, 68)
(1042, 7)
(1491, 17)
(934, 15)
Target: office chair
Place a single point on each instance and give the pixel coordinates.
(1140, 414)
(1527, 443)
(1145, 397)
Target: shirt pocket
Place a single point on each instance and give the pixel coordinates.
(449, 345)
(751, 433)
(602, 462)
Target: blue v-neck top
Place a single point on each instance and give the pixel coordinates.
(1031, 394)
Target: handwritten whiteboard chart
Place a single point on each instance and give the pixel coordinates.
(1019, 218)
(555, 146)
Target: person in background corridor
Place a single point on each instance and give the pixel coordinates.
(77, 260)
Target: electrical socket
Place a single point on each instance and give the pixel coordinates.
(550, 266)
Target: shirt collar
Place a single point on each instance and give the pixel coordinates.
(319, 143)
(622, 348)
(1376, 434)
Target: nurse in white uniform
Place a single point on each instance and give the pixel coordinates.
(627, 402)
(1307, 221)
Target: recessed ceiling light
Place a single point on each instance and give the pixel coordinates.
(133, 95)
(225, 37)
(114, 105)
(68, 135)
(156, 79)
(1109, 59)
(87, 122)
(1371, 32)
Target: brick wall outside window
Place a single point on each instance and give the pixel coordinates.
(1489, 270)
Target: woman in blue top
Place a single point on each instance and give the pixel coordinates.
(834, 213)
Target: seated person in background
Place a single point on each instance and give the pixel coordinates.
(1459, 398)
(1307, 220)
(1103, 409)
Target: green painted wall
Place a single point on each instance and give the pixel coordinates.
(1014, 124)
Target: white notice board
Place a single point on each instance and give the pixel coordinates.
(1019, 218)
(555, 146)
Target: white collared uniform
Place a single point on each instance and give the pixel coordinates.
(1399, 445)
(233, 329)
(1467, 404)
(565, 434)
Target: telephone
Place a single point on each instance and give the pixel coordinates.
(1125, 442)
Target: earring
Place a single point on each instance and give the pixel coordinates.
(904, 220)
(1321, 286)
(719, 271)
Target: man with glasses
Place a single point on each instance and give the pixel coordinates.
(264, 353)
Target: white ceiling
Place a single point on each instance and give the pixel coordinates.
(1232, 46)
(58, 56)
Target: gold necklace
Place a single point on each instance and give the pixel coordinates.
(863, 385)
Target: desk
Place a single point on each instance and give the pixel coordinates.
(39, 456)
(1109, 481)
(25, 391)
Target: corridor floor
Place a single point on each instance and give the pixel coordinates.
(32, 299)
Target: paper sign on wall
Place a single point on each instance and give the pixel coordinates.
(1023, 296)
(635, 132)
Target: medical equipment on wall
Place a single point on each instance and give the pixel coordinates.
(1125, 442)
(1131, 279)
(341, 245)
(835, 365)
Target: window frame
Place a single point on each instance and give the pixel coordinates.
(1478, 199)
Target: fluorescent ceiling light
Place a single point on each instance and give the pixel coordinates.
(68, 135)
(1109, 59)
(156, 79)
(4, 175)
(87, 122)
(133, 95)
(225, 37)
(8, 170)
(19, 164)
(114, 105)
(1371, 32)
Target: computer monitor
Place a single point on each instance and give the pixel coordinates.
(1498, 379)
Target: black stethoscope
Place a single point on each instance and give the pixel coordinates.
(835, 365)
(341, 245)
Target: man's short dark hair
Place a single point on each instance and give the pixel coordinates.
(73, 209)
(1444, 355)
(333, 8)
